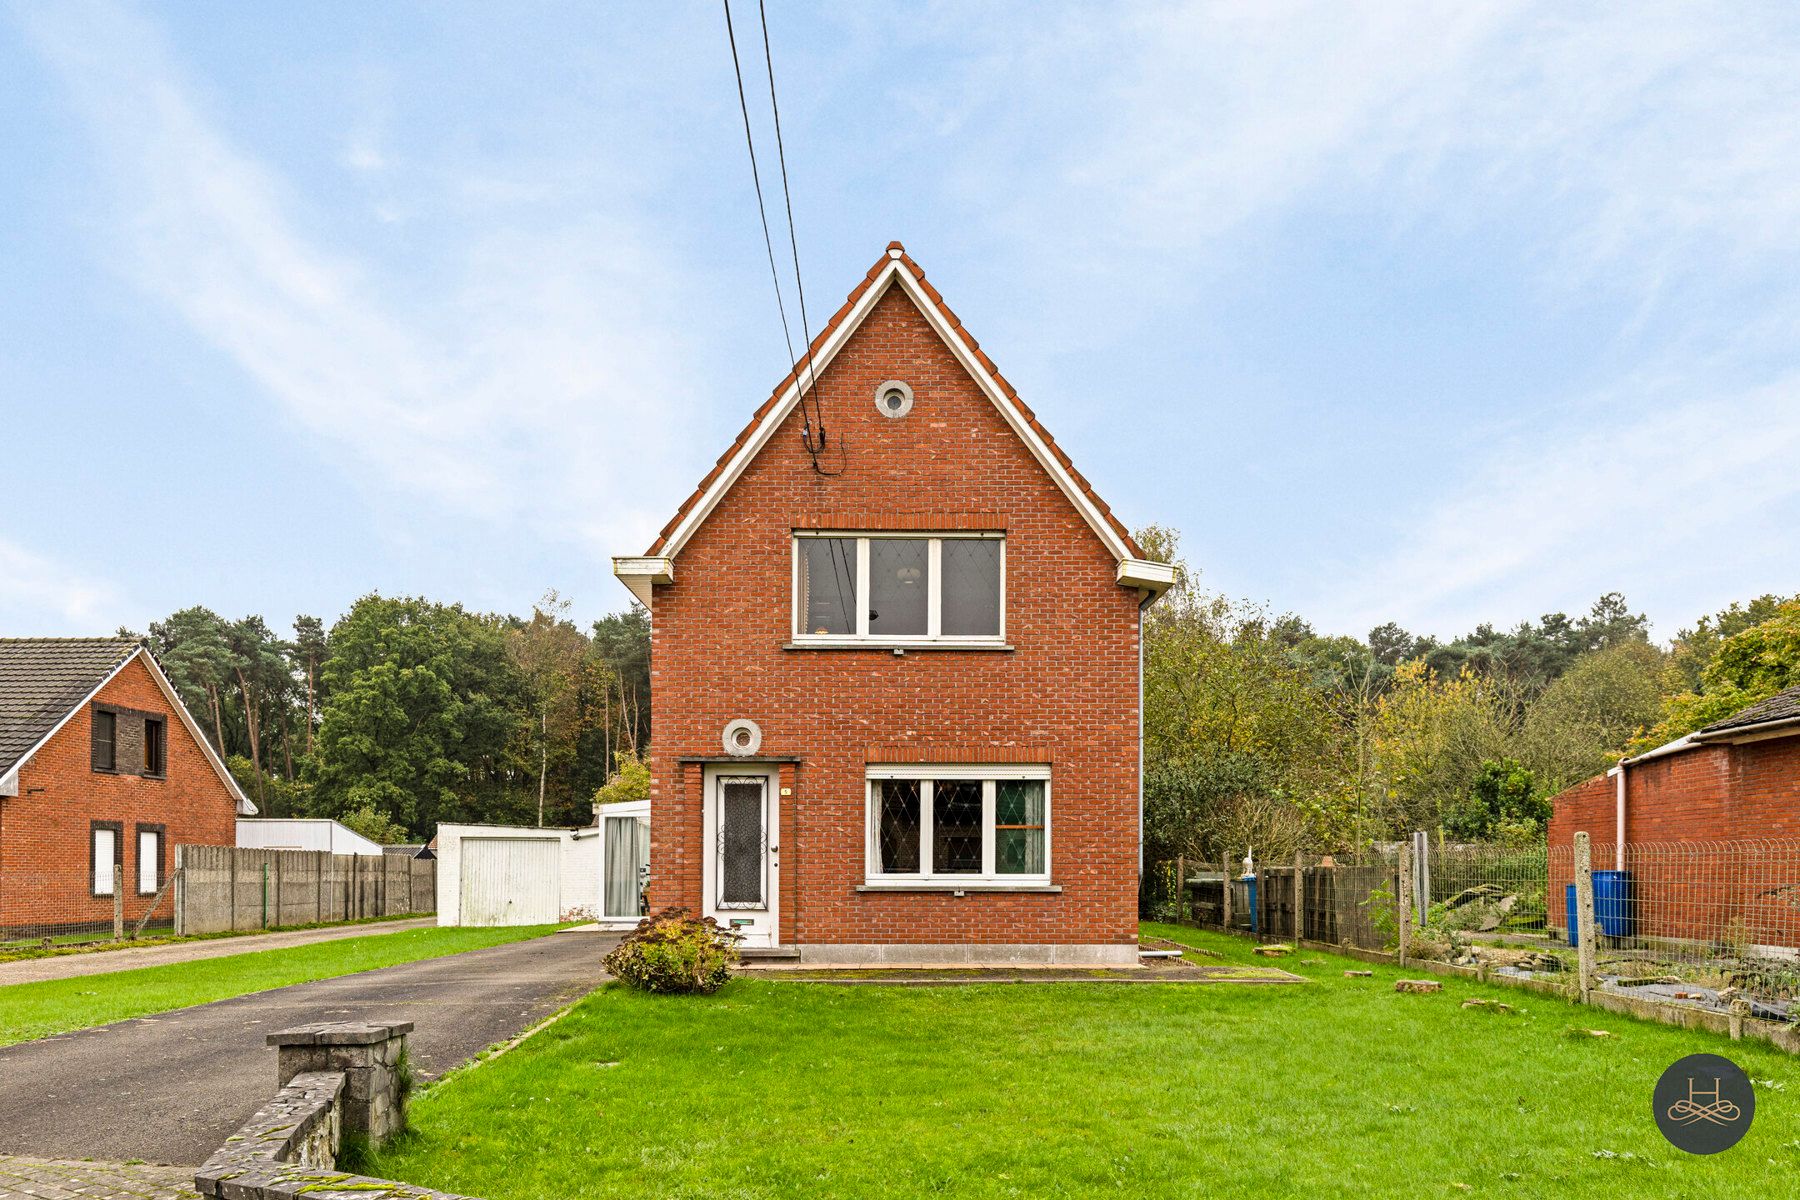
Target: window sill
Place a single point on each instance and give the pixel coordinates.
(893, 646)
(934, 885)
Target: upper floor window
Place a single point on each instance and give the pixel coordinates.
(155, 746)
(880, 587)
(106, 740)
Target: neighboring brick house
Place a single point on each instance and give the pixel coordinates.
(1735, 780)
(896, 676)
(100, 765)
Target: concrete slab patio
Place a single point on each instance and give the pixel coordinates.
(172, 1087)
(46, 1179)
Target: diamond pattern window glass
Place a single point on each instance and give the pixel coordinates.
(956, 827)
(827, 586)
(1019, 827)
(898, 826)
(741, 844)
(971, 570)
(899, 586)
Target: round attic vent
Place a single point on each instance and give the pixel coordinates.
(742, 738)
(893, 399)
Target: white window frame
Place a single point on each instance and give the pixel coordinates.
(933, 635)
(989, 775)
(153, 884)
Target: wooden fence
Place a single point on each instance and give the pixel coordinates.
(219, 888)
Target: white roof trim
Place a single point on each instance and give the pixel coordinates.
(9, 785)
(1156, 577)
(893, 271)
(639, 574)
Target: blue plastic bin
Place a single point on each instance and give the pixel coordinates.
(1569, 915)
(1612, 905)
(1255, 921)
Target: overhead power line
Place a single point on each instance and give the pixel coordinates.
(815, 444)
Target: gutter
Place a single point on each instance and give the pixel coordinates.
(1750, 733)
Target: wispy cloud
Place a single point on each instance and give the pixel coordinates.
(38, 595)
(502, 397)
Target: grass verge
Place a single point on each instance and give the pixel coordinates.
(35, 1010)
(87, 943)
(1071, 1089)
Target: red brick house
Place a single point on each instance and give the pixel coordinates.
(896, 671)
(100, 765)
(1733, 781)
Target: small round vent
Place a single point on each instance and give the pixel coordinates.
(742, 738)
(893, 399)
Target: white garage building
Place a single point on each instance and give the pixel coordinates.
(516, 875)
(303, 833)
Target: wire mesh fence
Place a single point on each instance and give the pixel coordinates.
(45, 909)
(1714, 924)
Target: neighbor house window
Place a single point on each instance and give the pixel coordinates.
(155, 745)
(899, 588)
(956, 824)
(105, 852)
(106, 740)
(149, 859)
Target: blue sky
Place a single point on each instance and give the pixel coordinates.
(1437, 314)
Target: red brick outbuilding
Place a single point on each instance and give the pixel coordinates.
(100, 765)
(896, 664)
(1681, 818)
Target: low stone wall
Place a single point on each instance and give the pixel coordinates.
(337, 1080)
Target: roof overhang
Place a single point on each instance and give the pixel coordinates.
(1147, 575)
(893, 271)
(9, 783)
(640, 574)
(1759, 732)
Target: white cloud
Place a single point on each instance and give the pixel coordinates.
(504, 397)
(40, 596)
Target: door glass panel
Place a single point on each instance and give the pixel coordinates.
(899, 583)
(1019, 827)
(897, 825)
(956, 827)
(827, 585)
(741, 844)
(971, 587)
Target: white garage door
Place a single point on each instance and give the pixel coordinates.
(510, 881)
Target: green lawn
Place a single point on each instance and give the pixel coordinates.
(35, 1010)
(1339, 1087)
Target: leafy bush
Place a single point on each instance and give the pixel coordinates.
(674, 951)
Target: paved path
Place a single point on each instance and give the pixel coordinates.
(172, 1087)
(96, 962)
(43, 1179)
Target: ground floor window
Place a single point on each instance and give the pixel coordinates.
(149, 859)
(105, 852)
(959, 824)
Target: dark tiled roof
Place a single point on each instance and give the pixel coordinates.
(41, 679)
(1782, 706)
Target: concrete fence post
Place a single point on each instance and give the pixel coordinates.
(1403, 900)
(118, 902)
(1299, 899)
(1584, 915)
(372, 1057)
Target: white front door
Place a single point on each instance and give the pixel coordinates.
(742, 863)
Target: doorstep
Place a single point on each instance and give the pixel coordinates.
(768, 954)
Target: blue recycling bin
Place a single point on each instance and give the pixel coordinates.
(1612, 905)
(1255, 917)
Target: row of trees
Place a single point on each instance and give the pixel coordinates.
(1260, 733)
(408, 712)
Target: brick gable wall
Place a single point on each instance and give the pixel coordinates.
(45, 829)
(1066, 693)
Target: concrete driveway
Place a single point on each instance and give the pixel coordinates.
(172, 1087)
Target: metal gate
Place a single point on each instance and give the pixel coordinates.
(510, 881)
